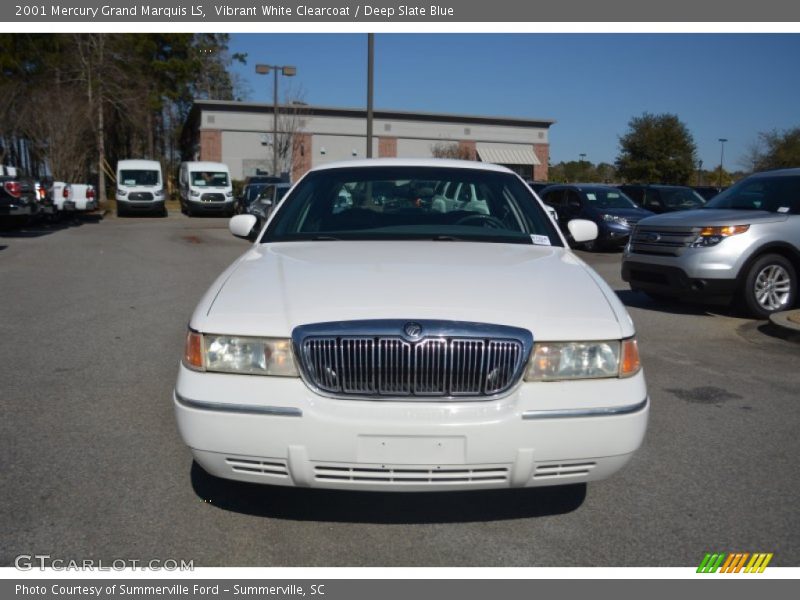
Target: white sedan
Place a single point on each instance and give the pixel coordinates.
(389, 344)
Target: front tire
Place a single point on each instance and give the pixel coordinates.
(770, 286)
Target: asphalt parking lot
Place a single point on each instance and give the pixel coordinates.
(92, 319)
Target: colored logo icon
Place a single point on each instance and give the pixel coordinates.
(734, 562)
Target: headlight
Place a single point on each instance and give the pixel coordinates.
(553, 361)
(237, 354)
(711, 236)
(160, 192)
(194, 192)
(121, 192)
(229, 194)
(616, 219)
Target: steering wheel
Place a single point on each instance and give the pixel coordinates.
(483, 220)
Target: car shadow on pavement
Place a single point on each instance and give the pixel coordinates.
(642, 301)
(390, 508)
(10, 229)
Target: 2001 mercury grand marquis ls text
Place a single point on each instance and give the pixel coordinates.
(411, 325)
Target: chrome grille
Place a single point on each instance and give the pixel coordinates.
(662, 240)
(381, 365)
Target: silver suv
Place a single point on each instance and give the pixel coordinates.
(744, 244)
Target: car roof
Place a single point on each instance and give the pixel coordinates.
(778, 173)
(413, 162)
(204, 164)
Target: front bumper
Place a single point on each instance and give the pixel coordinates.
(674, 281)
(277, 431)
(198, 206)
(141, 205)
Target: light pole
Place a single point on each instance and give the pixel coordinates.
(699, 171)
(287, 71)
(721, 157)
(583, 166)
(370, 88)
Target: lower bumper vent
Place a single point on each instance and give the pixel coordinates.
(269, 468)
(411, 475)
(563, 470)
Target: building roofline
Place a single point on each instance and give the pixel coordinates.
(330, 111)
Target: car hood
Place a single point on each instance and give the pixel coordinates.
(628, 213)
(703, 217)
(275, 287)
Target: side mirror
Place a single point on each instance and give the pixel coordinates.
(582, 230)
(242, 225)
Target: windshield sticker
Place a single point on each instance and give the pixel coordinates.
(130, 182)
(783, 209)
(591, 196)
(540, 240)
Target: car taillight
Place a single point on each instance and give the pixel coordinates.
(65, 192)
(90, 194)
(14, 188)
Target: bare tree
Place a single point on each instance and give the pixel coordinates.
(58, 130)
(450, 150)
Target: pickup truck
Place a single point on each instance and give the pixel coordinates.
(73, 197)
(17, 195)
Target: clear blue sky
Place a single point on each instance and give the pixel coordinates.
(720, 85)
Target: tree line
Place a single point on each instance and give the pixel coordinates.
(661, 149)
(71, 105)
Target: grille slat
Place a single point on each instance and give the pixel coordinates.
(429, 367)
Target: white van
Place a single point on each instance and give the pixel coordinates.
(140, 187)
(206, 187)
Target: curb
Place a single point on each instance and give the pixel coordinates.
(788, 320)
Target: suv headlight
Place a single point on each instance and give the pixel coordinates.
(711, 236)
(616, 219)
(239, 354)
(554, 361)
(121, 192)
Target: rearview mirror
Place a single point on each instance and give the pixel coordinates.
(242, 225)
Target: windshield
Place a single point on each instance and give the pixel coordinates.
(603, 198)
(779, 194)
(209, 178)
(404, 203)
(681, 198)
(138, 177)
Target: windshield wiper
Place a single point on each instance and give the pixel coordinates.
(325, 238)
(450, 238)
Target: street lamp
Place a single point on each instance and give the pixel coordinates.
(583, 167)
(699, 171)
(721, 157)
(287, 71)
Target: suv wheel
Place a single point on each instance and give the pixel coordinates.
(770, 286)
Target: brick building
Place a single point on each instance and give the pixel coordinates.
(239, 134)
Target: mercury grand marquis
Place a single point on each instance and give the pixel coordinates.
(381, 335)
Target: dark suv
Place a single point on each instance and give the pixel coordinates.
(663, 198)
(614, 213)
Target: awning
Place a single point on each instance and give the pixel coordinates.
(507, 154)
